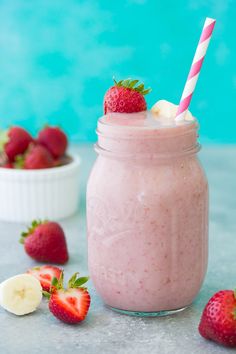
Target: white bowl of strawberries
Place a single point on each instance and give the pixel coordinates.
(38, 179)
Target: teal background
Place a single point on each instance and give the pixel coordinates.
(57, 58)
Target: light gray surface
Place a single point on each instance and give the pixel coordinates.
(105, 331)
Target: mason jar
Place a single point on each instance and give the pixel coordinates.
(147, 214)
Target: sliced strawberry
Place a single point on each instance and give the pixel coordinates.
(70, 305)
(45, 275)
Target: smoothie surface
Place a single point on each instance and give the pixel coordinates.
(145, 120)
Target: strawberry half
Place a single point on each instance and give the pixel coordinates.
(15, 141)
(69, 305)
(45, 241)
(218, 322)
(45, 275)
(126, 96)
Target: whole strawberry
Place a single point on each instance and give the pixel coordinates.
(218, 322)
(36, 157)
(45, 241)
(45, 274)
(16, 141)
(126, 96)
(54, 139)
(69, 305)
(8, 165)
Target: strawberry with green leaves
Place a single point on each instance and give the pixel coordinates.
(36, 157)
(69, 305)
(14, 141)
(126, 96)
(45, 241)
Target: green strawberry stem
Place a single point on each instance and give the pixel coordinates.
(134, 85)
(57, 283)
(30, 229)
(76, 282)
(72, 280)
(19, 162)
(4, 138)
(46, 294)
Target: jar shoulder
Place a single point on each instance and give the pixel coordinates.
(107, 173)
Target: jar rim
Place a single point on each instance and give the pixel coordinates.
(144, 138)
(146, 125)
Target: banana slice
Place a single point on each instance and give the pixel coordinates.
(20, 294)
(167, 109)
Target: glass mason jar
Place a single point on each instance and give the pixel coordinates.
(147, 214)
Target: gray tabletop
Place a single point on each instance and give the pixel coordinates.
(105, 331)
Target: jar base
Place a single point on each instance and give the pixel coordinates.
(147, 314)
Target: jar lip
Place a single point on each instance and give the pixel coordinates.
(145, 137)
(141, 130)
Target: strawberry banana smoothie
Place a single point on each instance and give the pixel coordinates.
(147, 206)
(147, 210)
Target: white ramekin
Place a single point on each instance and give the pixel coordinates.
(51, 193)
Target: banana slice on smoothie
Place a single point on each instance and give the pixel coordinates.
(167, 109)
(20, 294)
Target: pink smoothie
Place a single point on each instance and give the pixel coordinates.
(147, 213)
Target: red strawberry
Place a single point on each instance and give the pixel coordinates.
(218, 322)
(8, 165)
(45, 242)
(70, 305)
(45, 274)
(54, 139)
(16, 142)
(125, 97)
(36, 157)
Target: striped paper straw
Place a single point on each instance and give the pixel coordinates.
(195, 68)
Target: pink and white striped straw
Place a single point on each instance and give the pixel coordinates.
(195, 68)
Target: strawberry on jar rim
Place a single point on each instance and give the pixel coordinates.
(69, 305)
(126, 96)
(218, 321)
